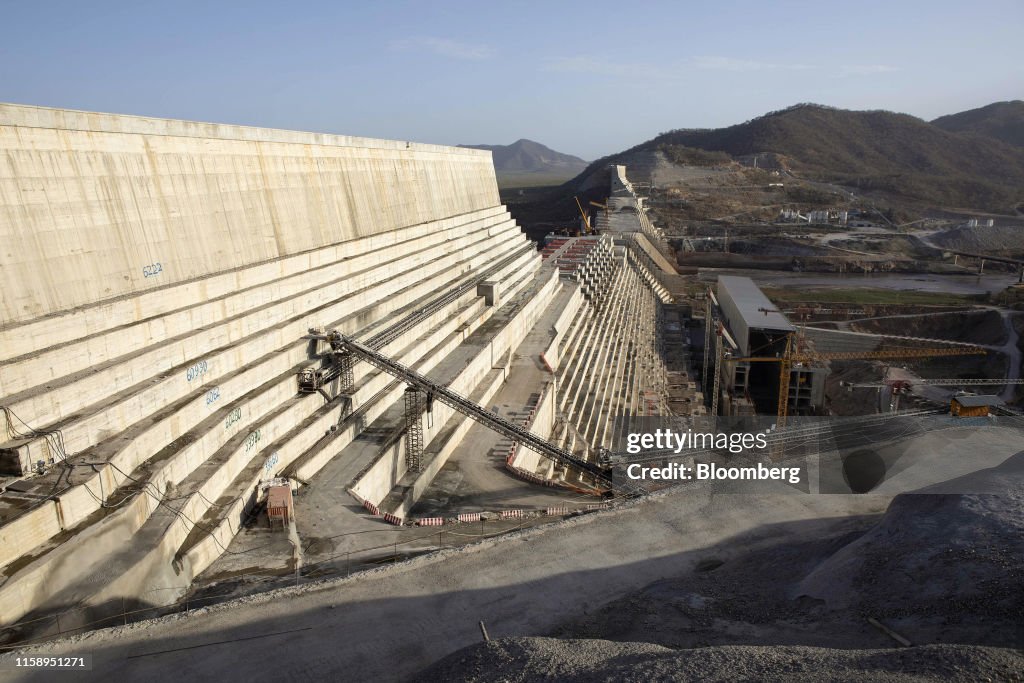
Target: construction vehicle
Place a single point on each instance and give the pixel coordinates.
(588, 229)
(311, 380)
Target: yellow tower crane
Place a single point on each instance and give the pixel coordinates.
(583, 214)
(798, 351)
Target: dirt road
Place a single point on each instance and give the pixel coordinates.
(389, 623)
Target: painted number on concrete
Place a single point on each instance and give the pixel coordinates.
(212, 396)
(271, 462)
(233, 417)
(197, 370)
(152, 270)
(252, 440)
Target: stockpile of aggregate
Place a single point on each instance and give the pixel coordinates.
(523, 660)
(941, 569)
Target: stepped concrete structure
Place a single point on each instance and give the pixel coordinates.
(159, 278)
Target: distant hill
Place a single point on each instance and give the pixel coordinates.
(529, 157)
(1000, 120)
(883, 151)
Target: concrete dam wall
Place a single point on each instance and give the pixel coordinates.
(159, 278)
(103, 206)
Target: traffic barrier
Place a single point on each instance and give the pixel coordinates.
(564, 510)
(371, 507)
(391, 519)
(599, 506)
(509, 514)
(470, 517)
(536, 479)
(430, 521)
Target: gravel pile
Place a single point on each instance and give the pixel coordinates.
(940, 568)
(943, 567)
(982, 238)
(515, 660)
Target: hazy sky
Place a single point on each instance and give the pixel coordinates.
(586, 78)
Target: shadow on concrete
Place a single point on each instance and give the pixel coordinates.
(318, 632)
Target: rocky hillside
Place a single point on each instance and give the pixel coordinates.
(876, 151)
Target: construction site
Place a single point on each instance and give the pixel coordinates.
(321, 394)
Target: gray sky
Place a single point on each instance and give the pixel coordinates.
(586, 78)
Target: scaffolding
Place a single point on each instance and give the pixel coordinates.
(413, 429)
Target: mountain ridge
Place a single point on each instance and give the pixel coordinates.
(1000, 120)
(877, 150)
(528, 156)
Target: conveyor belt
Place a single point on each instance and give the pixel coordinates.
(342, 343)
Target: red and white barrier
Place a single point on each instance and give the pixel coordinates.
(557, 511)
(391, 519)
(470, 517)
(371, 507)
(510, 514)
(430, 521)
(599, 506)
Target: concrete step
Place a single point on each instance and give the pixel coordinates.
(84, 500)
(209, 480)
(60, 397)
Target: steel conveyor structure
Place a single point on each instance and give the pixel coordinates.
(312, 379)
(344, 344)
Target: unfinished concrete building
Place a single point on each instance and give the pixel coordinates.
(744, 323)
(160, 282)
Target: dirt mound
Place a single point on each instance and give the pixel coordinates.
(977, 327)
(536, 659)
(776, 247)
(996, 239)
(939, 565)
(902, 245)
